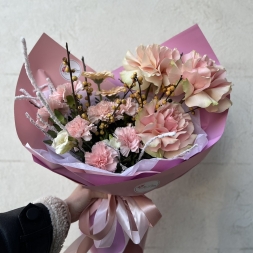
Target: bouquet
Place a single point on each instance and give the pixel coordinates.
(125, 132)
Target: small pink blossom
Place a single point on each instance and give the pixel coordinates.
(168, 118)
(58, 105)
(53, 104)
(44, 114)
(80, 128)
(156, 64)
(100, 111)
(102, 157)
(64, 90)
(130, 108)
(128, 139)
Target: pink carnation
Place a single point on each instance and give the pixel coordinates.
(64, 90)
(102, 157)
(80, 128)
(128, 139)
(168, 118)
(44, 114)
(53, 104)
(56, 104)
(204, 83)
(156, 64)
(100, 111)
(130, 108)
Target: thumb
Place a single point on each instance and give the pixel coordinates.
(98, 195)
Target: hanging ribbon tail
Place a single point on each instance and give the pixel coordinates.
(149, 209)
(136, 248)
(117, 224)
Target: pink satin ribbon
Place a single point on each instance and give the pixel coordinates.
(132, 210)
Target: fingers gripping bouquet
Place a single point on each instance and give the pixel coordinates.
(124, 133)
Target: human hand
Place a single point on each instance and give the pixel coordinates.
(79, 199)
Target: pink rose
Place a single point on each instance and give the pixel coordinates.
(130, 108)
(168, 118)
(204, 83)
(128, 139)
(80, 128)
(100, 111)
(156, 64)
(102, 157)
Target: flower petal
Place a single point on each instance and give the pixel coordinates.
(187, 88)
(218, 92)
(201, 99)
(223, 105)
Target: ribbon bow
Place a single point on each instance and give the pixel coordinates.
(120, 224)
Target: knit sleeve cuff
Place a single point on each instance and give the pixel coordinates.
(60, 218)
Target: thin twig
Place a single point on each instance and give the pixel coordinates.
(39, 127)
(46, 123)
(181, 77)
(50, 85)
(70, 72)
(52, 115)
(136, 79)
(84, 69)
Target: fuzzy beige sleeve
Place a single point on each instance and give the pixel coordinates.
(60, 218)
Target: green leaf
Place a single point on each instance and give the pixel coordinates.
(79, 155)
(73, 114)
(60, 117)
(53, 134)
(51, 120)
(49, 142)
(71, 102)
(57, 127)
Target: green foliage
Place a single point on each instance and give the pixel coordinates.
(60, 117)
(71, 102)
(48, 142)
(79, 155)
(53, 134)
(54, 124)
(57, 127)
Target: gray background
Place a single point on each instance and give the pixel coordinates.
(209, 210)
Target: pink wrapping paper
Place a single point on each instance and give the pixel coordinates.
(45, 61)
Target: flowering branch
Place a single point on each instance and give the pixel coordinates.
(24, 97)
(28, 96)
(71, 78)
(50, 85)
(52, 115)
(85, 78)
(46, 123)
(39, 127)
(28, 69)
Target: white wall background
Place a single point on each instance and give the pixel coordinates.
(208, 210)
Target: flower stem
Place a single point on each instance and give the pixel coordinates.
(84, 69)
(98, 82)
(136, 79)
(147, 91)
(193, 110)
(181, 77)
(129, 90)
(70, 72)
